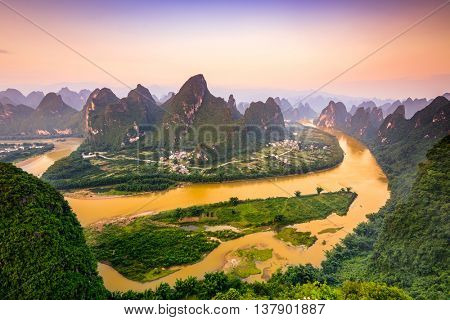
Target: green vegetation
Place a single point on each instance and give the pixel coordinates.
(224, 235)
(263, 212)
(15, 152)
(248, 259)
(296, 238)
(304, 150)
(406, 243)
(330, 230)
(43, 254)
(147, 247)
(297, 282)
(136, 249)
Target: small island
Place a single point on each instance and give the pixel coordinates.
(145, 248)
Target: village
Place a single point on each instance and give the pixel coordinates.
(10, 152)
(285, 152)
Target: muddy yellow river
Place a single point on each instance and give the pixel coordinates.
(39, 164)
(359, 170)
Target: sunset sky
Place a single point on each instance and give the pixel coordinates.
(240, 46)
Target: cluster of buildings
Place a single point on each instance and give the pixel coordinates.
(291, 144)
(8, 148)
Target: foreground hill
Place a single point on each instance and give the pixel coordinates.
(43, 254)
(406, 242)
(412, 246)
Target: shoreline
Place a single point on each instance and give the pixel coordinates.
(89, 195)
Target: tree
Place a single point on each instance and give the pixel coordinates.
(349, 189)
(234, 201)
(179, 213)
(298, 194)
(279, 218)
(319, 190)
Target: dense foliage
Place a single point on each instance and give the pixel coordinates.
(43, 254)
(413, 246)
(296, 238)
(297, 282)
(150, 247)
(141, 250)
(406, 243)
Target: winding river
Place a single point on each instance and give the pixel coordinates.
(358, 170)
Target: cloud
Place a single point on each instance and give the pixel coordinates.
(4, 51)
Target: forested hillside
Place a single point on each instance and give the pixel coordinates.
(407, 242)
(43, 254)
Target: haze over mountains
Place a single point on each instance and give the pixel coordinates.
(369, 124)
(108, 120)
(113, 122)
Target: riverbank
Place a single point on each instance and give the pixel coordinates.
(359, 170)
(119, 172)
(39, 164)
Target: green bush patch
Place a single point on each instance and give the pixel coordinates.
(137, 249)
(296, 238)
(330, 230)
(247, 264)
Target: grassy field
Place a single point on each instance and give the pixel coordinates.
(262, 212)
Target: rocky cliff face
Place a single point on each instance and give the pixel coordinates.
(108, 119)
(231, 104)
(365, 122)
(194, 105)
(335, 116)
(432, 122)
(53, 117)
(263, 114)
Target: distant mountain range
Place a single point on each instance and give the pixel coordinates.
(295, 113)
(51, 117)
(108, 120)
(111, 122)
(367, 122)
(15, 97)
(73, 99)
